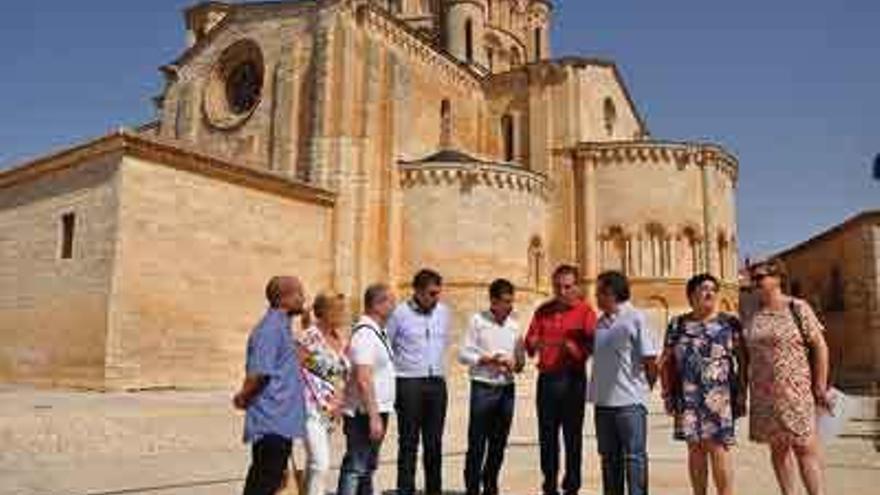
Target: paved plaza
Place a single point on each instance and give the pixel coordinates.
(187, 443)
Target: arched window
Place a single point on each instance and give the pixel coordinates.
(539, 38)
(469, 40)
(515, 57)
(658, 251)
(614, 251)
(690, 262)
(445, 123)
(508, 137)
(609, 112)
(490, 58)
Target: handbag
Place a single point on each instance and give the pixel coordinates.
(670, 382)
(829, 422)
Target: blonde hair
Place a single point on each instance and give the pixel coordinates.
(329, 305)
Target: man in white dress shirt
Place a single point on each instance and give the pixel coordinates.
(493, 348)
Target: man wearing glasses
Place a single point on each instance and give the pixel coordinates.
(418, 331)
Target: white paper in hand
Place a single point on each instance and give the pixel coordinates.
(830, 423)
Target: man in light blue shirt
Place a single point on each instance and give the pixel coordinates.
(272, 392)
(418, 330)
(624, 371)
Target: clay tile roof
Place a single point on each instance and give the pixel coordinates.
(448, 156)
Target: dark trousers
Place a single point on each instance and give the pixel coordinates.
(269, 456)
(622, 433)
(361, 456)
(561, 402)
(491, 413)
(421, 412)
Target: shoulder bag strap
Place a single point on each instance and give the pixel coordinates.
(799, 321)
(382, 338)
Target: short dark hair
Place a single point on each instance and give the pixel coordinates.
(274, 292)
(373, 294)
(426, 278)
(500, 287)
(616, 283)
(697, 280)
(566, 270)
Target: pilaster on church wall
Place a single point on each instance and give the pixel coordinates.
(322, 67)
(285, 88)
(401, 101)
(351, 205)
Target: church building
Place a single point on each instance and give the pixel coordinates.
(347, 142)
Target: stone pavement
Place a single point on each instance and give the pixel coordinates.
(187, 443)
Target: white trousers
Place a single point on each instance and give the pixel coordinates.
(318, 454)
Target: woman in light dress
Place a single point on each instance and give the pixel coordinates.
(788, 372)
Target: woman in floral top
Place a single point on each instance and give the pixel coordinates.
(325, 368)
(788, 366)
(704, 383)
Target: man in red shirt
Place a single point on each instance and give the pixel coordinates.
(561, 334)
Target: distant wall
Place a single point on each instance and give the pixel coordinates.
(838, 275)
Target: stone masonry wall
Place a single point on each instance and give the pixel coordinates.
(194, 256)
(53, 311)
(852, 329)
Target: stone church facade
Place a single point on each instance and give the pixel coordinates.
(348, 142)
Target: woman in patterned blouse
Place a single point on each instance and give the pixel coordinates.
(788, 368)
(704, 382)
(325, 368)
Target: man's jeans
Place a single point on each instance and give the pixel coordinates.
(421, 412)
(491, 413)
(361, 457)
(622, 433)
(561, 402)
(269, 456)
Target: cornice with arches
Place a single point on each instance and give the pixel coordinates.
(678, 231)
(681, 155)
(469, 175)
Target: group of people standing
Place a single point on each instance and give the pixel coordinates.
(395, 362)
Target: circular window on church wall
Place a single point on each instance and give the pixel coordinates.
(235, 87)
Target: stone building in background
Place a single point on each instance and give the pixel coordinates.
(348, 142)
(838, 272)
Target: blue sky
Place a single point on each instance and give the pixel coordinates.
(792, 87)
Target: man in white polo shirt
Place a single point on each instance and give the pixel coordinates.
(370, 391)
(493, 348)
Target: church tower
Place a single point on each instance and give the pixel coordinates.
(465, 30)
(537, 27)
